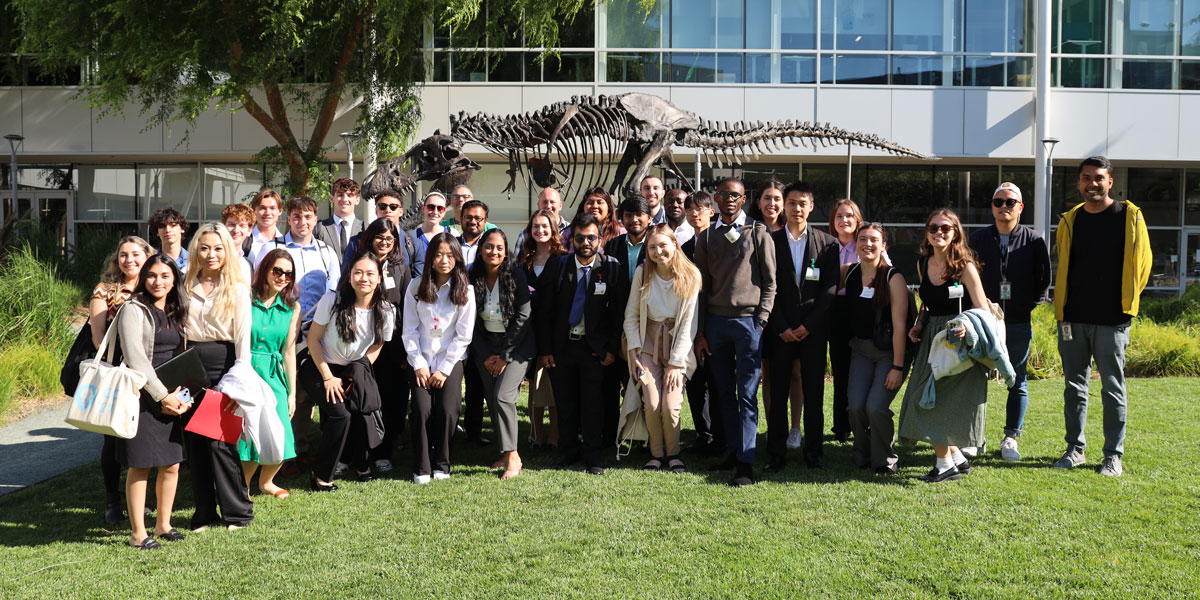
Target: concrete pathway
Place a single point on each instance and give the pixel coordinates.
(42, 446)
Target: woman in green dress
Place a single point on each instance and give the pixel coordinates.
(274, 323)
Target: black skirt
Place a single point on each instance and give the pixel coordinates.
(158, 443)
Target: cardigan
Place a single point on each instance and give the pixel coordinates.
(683, 335)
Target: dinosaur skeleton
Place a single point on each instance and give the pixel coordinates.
(587, 132)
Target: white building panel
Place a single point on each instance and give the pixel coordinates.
(1080, 120)
(1189, 127)
(929, 121)
(536, 96)
(212, 133)
(998, 123)
(10, 112)
(1143, 126)
(58, 125)
(125, 133)
(780, 103)
(435, 110)
(858, 109)
(248, 135)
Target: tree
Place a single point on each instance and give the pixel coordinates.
(173, 59)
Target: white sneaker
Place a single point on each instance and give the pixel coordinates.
(1009, 451)
(340, 469)
(970, 451)
(795, 439)
(383, 465)
(420, 479)
(439, 475)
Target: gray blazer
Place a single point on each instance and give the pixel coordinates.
(327, 232)
(135, 332)
(519, 344)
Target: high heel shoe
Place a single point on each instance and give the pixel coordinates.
(322, 487)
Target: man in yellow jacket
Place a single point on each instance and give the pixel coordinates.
(1103, 266)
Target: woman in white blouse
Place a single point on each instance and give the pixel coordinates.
(218, 327)
(660, 331)
(340, 371)
(439, 320)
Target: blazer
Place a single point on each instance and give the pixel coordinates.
(519, 344)
(603, 314)
(327, 232)
(406, 250)
(800, 301)
(618, 249)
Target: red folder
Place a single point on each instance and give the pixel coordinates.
(211, 420)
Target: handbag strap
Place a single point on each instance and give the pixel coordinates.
(106, 343)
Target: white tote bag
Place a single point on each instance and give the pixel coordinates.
(107, 399)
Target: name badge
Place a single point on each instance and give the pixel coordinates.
(437, 331)
(601, 287)
(1066, 332)
(389, 282)
(813, 274)
(732, 235)
(1005, 290)
(867, 292)
(956, 291)
(456, 231)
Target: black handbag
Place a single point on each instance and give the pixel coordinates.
(80, 351)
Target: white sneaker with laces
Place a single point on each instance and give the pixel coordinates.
(383, 465)
(795, 439)
(440, 475)
(1009, 450)
(420, 479)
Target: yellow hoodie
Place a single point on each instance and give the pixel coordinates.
(1135, 270)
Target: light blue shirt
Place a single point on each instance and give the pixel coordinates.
(634, 250)
(316, 269)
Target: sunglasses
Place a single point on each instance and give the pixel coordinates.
(1009, 202)
(387, 206)
(280, 273)
(435, 208)
(581, 238)
(385, 239)
(943, 228)
(730, 196)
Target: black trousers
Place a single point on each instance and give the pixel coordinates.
(395, 379)
(579, 394)
(706, 415)
(343, 439)
(434, 416)
(473, 400)
(217, 478)
(839, 363)
(811, 354)
(110, 468)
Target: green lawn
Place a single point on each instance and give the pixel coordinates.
(1023, 530)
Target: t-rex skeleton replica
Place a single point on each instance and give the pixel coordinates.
(587, 132)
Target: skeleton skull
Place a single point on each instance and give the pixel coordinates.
(439, 158)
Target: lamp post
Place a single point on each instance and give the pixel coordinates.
(14, 140)
(1048, 144)
(347, 136)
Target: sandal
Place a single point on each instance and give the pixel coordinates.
(676, 465)
(170, 536)
(282, 493)
(148, 543)
(653, 464)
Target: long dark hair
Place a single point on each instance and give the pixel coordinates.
(262, 277)
(610, 227)
(427, 290)
(176, 305)
(366, 240)
(343, 307)
(528, 248)
(506, 283)
(754, 212)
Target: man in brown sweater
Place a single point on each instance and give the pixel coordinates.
(736, 258)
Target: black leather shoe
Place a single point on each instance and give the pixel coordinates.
(841, 437)
(814, 461)
(964, 467)
(365, 477)
(728, 463)
(595, 470)
(775, 466)
(319, 487)
(744, 476)
(887, 470)
(933, 476)
(113, 513)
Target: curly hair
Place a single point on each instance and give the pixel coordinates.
(238, 211)
(506, 283)
(958, 253)
(343, 313)
(345, 184)
(528, 248)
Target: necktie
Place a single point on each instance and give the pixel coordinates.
(576, 316)
(344, 239)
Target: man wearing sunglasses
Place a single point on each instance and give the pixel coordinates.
(736, 259)
(1016, 275)
(580, 313)
(387, 206)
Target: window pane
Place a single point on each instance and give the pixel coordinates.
(690, 67)
(533, 68)
(694, 24)
(758, 23)
(1191, 199)
(1146, 74)
(441, 67)
(983, 21)
(917, 25)
(904, 248)
(854, 68)
(798, 21)
(1191, 28)
(468, 66)
(630, 27)
(1189, 75)
(899, 194)
(731, 24)
(729, 68)
(106, 193)
(1020, 72)
(229, 185)
(829, 185)
(1150, 26)
(797, 69)
(967, 191)
(1156, 192)
(758, 68)
(854, 24)
(1083, 25)
(640, 67)
(580, 31)
(917, 70)
(505, 66)
(570, 67)
(177, 187)
(1082, 72)
(1021, 22)
(1164, 246)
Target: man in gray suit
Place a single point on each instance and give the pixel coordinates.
(342, 225)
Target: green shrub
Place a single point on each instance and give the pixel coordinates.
(1162, 350)
(1183, 310)
(1044, 361)
(30, 371)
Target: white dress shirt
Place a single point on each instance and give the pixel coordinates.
(798, 246)
(338, 351)
(684, 232)
(456, 324)
(257, 241)
(493, 319)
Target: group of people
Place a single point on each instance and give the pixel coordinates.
(663, 296)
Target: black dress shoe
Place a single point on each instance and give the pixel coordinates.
(595, 470)
(933, 476)
(365, 477)
(775, 466)
(321, 487)
(814, 461)
(729, 463)
(744, 476)
(964, 467)
(841, 437)
(113, 513)
(887, 470)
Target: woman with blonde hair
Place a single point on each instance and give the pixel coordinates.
(660, 332)
(117, 282)
(218, 327)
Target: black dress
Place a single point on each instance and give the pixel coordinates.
(159, 438)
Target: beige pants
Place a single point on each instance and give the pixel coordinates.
(661, 407)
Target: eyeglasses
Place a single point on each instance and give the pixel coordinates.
(381, 205)
(281, 274)
(730, 196)
(385, 239)
(580, 238)
(433, 208)
(461, 196)
(1009, 202)
(943, 228)
(473, 218)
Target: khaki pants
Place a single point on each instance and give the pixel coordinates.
(662, 407)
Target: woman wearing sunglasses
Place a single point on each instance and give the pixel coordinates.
(274, 322)
(950, 284)
(433, 209)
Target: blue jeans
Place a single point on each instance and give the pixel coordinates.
(1107, 345)
(736, 361)
(1019, 335)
